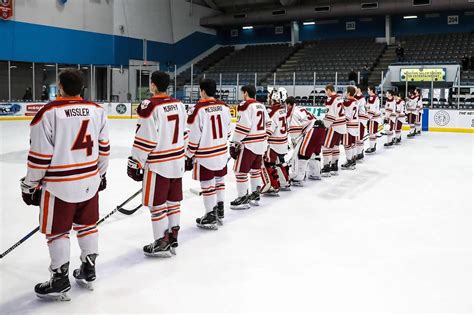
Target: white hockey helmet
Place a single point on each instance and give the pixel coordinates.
(283, 94)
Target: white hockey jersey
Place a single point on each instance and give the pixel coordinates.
(411, 104)
(300, 121)
(373, 109)
(351, 110)
(419, 107)
(252, 125)
(159, 138)
(335, 117)
(209, 128)
(362, 108)
(69, 149)
(390, 107)
(400, 110)
(278, 131)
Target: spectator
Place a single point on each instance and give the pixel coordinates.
(400, 51)
(45, 94)
(472, 62)
(352, 77)
(28, 96)
(365, 77)
(465, 63)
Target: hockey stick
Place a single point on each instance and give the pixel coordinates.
(118, 208)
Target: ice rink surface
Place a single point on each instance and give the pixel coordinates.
(394, 235)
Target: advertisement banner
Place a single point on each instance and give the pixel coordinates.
(6, 9)
(11, 109)
(318, 112)
(423, 74)
(32, 109)
(451, 120)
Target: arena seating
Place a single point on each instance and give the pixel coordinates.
(440, 48)
(327, 57)
(260, 59)
(203, 64)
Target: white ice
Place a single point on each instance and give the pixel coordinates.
(394, 235)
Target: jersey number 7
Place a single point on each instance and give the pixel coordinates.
(83, 141)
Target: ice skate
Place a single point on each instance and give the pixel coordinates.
(173, 237)
(208, 221)
(398, 141)
(272, 192)
(254, 197)
(411, 135)
(349, 165)
(334, 169)
(326, 171)
(240, 203)
(370, 150)
(388, 144)
(220, 210)
(159, 248)
(360, 156)
(57, 287)
(85, 275)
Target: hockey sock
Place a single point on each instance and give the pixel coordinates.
(360, 146)
(348, 150)
(88, 239)
(173, 213)
(373, 140)
(389, 136)
(59, 249)
(335, 154)
(242, 184)
(327, 156)
(208, 189)
(255, 179)
(220, 188)
(159, 220)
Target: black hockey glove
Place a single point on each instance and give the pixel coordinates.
(103, 182)
(188, 164)
(31, 195)
(319, 124)
(385, 120)
(134, 171)
(234, 150)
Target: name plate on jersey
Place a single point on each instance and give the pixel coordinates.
(423, 74)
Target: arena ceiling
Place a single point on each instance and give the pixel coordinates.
(233, 6)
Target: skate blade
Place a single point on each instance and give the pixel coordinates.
(63, 296)
(159, 255)
(220, 222)
(208, 226)
(173, 251)
(326, 175)
(254, 203)
(334, 174)
(314, 177)
(271, 194)
(285, 188)
(240, 207)
(85, 284)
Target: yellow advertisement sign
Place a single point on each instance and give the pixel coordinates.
(423, 74)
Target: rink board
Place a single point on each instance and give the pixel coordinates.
(433, 119)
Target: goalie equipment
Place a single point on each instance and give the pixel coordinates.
(271, 184)
(314, 169)
(283, 176)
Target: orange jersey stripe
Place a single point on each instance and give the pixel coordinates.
(70, 179)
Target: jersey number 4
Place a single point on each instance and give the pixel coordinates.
(83, 141)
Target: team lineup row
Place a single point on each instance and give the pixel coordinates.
(274, 147)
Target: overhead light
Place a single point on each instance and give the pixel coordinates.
(247, 27)
(408, 17)
(50, 65)
(309, 23)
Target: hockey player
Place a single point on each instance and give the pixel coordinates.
(390, 117)
(275, 172)
(67, 162)
(307, 134)
(375, 118)
(411, 105)
(249, 143)
(400, 112)
(418, 112)
(351, 110)
(209, 129)
(158, 160)
(335, 121)
(363, 122)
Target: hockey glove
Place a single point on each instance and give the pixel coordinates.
(134, 171)
(385, 120)
(319, 124)
(31, 195)
(234, 150)
(189, 164)
(103, 182)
